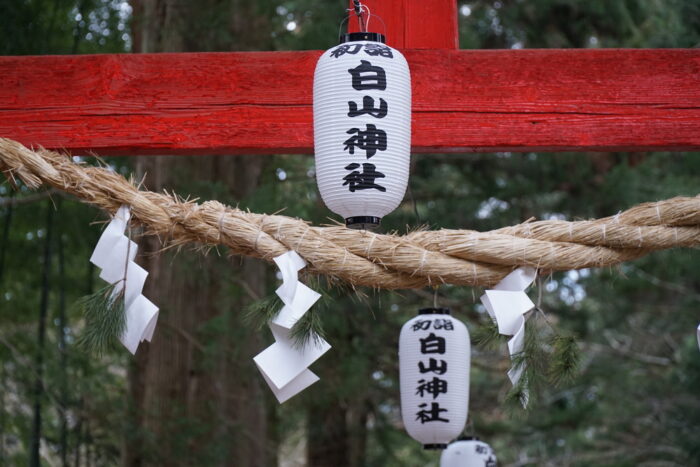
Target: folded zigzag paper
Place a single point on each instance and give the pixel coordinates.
(284, 365)
(114, 255)
(507, 304)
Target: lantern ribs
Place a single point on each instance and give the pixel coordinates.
(260, 102)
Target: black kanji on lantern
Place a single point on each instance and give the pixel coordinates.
(366, 76)
(421, 325)
(433, 366)
(432, 344)
(378, 50)
(343, 49)
(369, 140)
(432, 415)
(365, 180)
(435, 387)
(445, 324)
(368, 108)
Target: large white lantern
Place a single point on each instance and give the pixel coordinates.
(468, 452)
(362, 128)
(434, 353)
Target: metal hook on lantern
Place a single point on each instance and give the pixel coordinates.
(358, 12)
(364, 9)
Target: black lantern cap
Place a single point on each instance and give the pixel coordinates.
(362, 36)
(434, 311)
(434, 446)
(363, 222)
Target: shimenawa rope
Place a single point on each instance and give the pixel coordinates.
(418, 259)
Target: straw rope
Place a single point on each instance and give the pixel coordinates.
(422, 258)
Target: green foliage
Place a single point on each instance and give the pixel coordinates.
(308, 329)
(260, 312)
(105, 320)
(487, 336)
(565, 359)
(64, 26)
(548, 359)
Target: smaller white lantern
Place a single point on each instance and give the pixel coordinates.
(434, 354)
(468, 452)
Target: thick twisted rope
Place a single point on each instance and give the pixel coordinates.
(419, 259)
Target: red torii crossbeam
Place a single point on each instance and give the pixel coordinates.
(260, 102)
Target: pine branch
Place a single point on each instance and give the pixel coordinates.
(548, 358)
(487, 336)
(105, 320)
(261, 312)
(565, 359)
(518, 396)
(308, 328)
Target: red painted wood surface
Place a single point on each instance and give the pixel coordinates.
(237, 103)
(413, 24)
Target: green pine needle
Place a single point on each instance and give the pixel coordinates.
(517, 396)
(565, 359)
(487, 336)
(261, 312)
(550, 359)
(308, 328)
(105, 321)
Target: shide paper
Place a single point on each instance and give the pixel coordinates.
(507, 304)
(114, 255)
(284, 365)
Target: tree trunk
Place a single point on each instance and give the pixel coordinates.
(34, 456)
(328, 443)
(63, 356)
(195, 392)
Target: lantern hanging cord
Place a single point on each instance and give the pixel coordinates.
(418, 259)
(359, 12)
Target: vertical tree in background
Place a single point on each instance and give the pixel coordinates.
(196, 395)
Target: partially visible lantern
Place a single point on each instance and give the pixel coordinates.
(434, 353)
(468, 452)
(362, 128)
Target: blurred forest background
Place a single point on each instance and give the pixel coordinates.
(193, 397)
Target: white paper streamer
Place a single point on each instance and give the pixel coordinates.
(507, 304)
(114, 255)
(284, 365)
(698, 336)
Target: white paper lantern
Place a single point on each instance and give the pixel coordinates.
(362, 128)
(434, 354)
(468, 452)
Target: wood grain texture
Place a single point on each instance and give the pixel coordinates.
(413, 24)
(260, 102)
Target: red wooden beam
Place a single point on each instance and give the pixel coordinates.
(412, 24)
(237, 103)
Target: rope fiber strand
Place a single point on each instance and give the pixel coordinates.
(418, 259)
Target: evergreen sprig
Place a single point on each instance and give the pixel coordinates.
(308, 328)
(259, 313)
(549, 356)
(565, 359)
(519, 395)
(105, 320)
(487, 336)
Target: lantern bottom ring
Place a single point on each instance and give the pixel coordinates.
(363, 222)
(434, 446)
